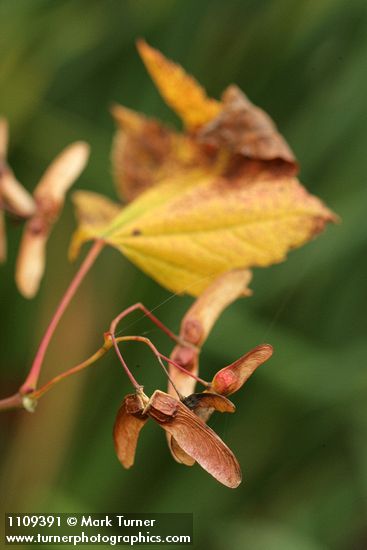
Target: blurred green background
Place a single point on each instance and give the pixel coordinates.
(301, 423)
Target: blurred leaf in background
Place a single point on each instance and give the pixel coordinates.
(300, 430)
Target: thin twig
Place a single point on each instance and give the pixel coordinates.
(148, 314)
(31, 381)
(160, 355)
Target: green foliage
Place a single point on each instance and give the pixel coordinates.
(300, 430)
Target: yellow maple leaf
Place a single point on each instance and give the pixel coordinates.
(187, 232)
(222, 198)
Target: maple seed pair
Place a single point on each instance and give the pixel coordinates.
(184, 420)
(179, 421)
(39, 211)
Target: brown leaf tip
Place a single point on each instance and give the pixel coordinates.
(245, 129)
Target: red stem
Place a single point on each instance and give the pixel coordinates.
(81, 366)
(131, 377)
(160, 355)
(16, 399)
(155, 320)
(31, 381)
(12, 402)
(148, 314)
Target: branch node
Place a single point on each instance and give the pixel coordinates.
(29, 404)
